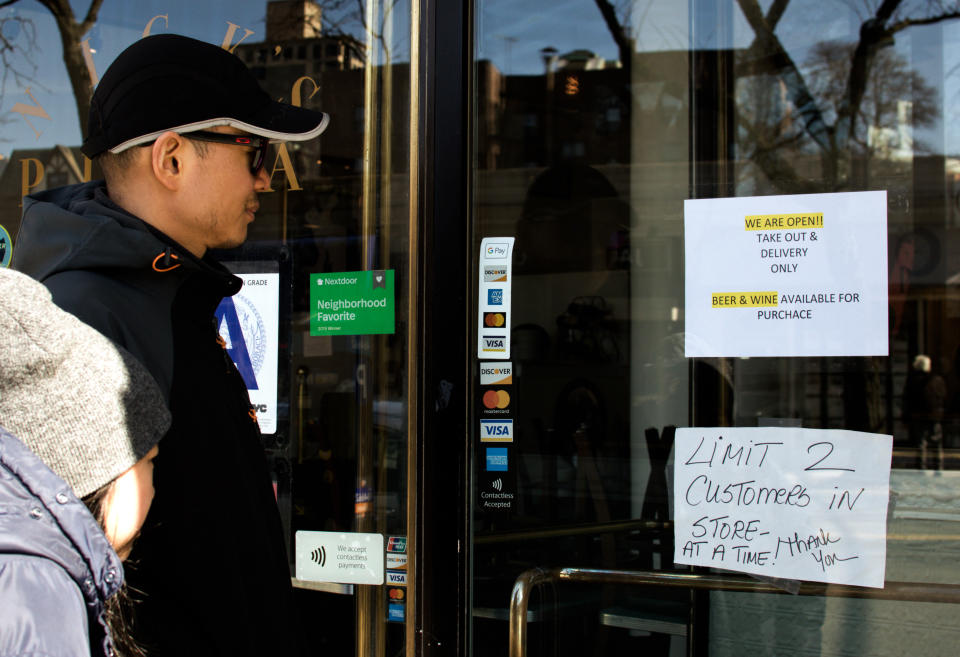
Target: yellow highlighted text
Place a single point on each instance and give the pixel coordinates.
(744, 299)
(783, 221)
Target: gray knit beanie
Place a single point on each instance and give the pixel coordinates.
(82, 404)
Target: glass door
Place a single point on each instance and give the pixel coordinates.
(322, 329)
(662, 172)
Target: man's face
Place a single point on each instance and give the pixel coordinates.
(222, 194)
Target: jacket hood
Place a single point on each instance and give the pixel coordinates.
(81, 228)
(43, 518)
(114, 271)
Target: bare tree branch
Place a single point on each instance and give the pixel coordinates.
(71, 35)
(770, 160)
(60, 9)
(91, 17)
(13, 54)
(872, 33)
(768, 43)
(624, 43)
(910, 22)
(775, 13)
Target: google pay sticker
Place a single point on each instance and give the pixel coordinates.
(352, 303)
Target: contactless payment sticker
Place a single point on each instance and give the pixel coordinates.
(346, 558)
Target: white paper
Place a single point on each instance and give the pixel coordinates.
(802, 275)
(257, 305)
(494, 312)
(346, 558)
(804, 504)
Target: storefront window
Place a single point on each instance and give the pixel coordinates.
(607, 135)
(332, 400)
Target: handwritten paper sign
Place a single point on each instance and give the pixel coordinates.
(803, 504)
(786, 275)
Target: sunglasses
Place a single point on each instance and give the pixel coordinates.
(259, 144)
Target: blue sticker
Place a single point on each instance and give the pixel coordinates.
(6, 247)
(395, 612)
(496, 459)
(495, 297)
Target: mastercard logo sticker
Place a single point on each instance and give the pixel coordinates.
(494, 320)
(397, 594)
(496, 399)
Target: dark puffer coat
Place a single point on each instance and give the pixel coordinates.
(57, 568)
(214, 514)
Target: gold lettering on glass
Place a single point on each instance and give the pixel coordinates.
(283, 155)
(25, 110)
(25, 184)
(228, 38)
(295, 91)
(166, 23)
(88, 60)
(86, 174)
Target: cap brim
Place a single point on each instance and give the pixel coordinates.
(285, 122)
(277, 122)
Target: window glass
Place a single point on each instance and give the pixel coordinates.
(594, 125)
(333, 408)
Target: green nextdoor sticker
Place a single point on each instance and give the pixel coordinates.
(352, 303)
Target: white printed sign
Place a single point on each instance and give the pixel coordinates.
(802, 504)
(346, 558)
(249, 325)
(801, 275)
(493, 312)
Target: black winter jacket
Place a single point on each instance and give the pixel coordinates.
(57, 568)
(214, 518)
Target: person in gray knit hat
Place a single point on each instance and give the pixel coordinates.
(79, 418)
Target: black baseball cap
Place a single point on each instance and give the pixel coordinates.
(172, 82)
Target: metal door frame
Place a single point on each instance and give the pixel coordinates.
(438, 363)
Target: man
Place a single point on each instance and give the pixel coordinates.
(181, 129)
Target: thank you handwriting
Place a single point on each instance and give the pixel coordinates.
(804, 504)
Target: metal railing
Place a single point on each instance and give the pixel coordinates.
(530, 579)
